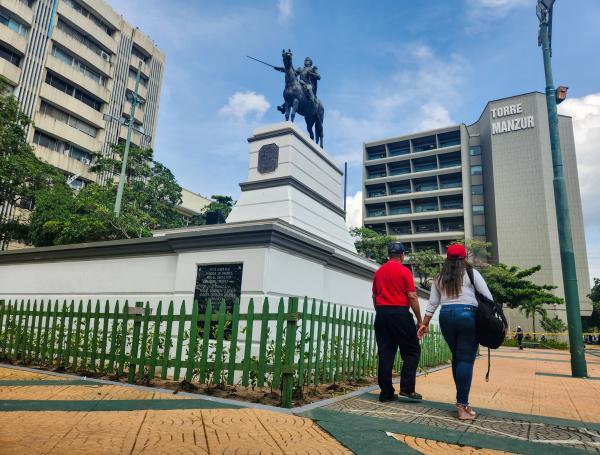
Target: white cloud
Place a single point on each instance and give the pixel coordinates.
(284, 8)
(585, 112)
(354, 210)
(242, 104)
(482, 12)
(434, 116)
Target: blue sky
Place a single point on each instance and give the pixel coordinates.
(388, 67)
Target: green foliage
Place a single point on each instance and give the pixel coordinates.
(371, 244)
(149, 197)
(220, 206)
(426, 265)
(592, 323)
(478, 251)
(23, 176)
(554, 325)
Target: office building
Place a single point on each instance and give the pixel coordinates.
(490, 181)
(69, 62)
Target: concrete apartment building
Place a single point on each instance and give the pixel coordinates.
(68, 63)
(490, 181)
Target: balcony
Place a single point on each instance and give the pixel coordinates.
(399, 170)
(13, 39)
(399, 148)
(133, 63)
(10, 71)
(376, 174)
(139, 113)
(67, 133)
(401, 229)
(77, 78)
(82, 51)
(142, 90)
(376, 192)
(449, 139)
(64, 162)
(426, 227)
(399, 209)
(70, 104)
(19, 9)
(136, 138)
(88, 26)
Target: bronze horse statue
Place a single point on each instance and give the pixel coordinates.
(300, 98)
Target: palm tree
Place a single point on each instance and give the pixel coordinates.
(531, 308)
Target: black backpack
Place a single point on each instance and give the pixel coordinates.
(491, 322)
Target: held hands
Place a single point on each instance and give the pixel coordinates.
(422, 330)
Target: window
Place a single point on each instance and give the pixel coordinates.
(70, 90)
(74, 62)
(450, 181)
(86, 13)
(399, 209)
(9, 55)
(449, 139)
(376, 210)
(144, 82)
(451, 202)
(400, 188)
(453, 224)
(475, 150)
(424, 143)
(14, 25)
(426, 205)
(400, 169)
(379, 228)
(425, 164)
(399, 148)
(139, 54)
(422, 227)
(477, 189)
(450, 160)
(83, 39)
(63, 117)
(59, 146)
(479, 230)
(400, 229)
(376, 191)
(476, 170)
(376, 172)
(478, 210)
(77, 184)
(373, 153)
(426, 185)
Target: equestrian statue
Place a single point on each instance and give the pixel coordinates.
(300, 94)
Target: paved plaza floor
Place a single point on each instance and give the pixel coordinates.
(531, 405)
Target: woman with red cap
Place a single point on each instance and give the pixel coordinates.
(454, 291)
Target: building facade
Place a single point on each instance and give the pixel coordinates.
(69, 62)
(491, 181)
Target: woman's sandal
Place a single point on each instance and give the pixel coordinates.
(465, 412)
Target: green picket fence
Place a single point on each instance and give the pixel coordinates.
(319, 344)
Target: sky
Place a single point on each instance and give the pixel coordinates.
(388, 68)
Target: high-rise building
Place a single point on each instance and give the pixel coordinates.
(491, 181)
(68, 63)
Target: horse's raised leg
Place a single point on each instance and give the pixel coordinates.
(287, 112)
(294, 108)
(319, 132)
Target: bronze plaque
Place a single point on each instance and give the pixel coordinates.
(268, 158)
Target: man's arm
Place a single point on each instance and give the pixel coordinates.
(413, 300)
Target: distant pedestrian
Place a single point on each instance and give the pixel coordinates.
(520, 337)
(394, 293)
(455, 291)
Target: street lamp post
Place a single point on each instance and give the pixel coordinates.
(567, 257)
(135, 101)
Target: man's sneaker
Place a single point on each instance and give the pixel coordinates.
(384, 398)
(413, 396)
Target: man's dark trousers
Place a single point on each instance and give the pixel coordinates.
(395, 329)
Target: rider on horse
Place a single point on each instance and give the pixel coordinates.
(308, 77)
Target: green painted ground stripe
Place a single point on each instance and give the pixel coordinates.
(47, 382)
(502, 414)
(109, 405)
(367, 435)
(558, 375)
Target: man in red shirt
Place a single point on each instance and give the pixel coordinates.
(393, 294)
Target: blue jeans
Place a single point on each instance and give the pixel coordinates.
(458, 327)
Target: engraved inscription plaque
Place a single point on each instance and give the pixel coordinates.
(216, 282)
(268, 158)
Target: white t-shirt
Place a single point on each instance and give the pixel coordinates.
(465, 297)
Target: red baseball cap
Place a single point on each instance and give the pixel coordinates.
(456, 251)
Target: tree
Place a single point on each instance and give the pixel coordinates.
(149, 197)
(554, 325)
(478, 252)
(22, 175)
(510, 286)
(593, 322)
(371, 244)
(426, 265)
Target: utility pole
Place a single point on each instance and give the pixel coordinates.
(567, 257)
(135, 101)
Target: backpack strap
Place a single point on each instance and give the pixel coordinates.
(471, 278)
(470, 274)
(487, 375)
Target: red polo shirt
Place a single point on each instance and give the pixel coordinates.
(392, 283)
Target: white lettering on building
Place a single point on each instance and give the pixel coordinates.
(512, 124)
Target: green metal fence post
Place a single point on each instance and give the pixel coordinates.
(155, 337)
(193, 341)
(235, 322)
(290, 349)
(135, 342)
(168, 342)
(278, 345)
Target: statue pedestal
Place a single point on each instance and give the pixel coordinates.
(293, 179)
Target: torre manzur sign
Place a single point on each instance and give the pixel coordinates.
(511, 124)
